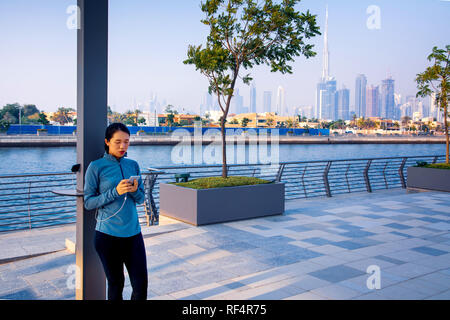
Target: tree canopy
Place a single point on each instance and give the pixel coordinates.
(245, 33)
(436, 80)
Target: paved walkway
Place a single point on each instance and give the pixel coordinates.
(320, 249)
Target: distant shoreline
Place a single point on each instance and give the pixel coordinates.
(66, 141)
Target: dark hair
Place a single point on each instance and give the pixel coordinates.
(113, 128)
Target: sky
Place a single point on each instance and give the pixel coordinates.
(148, 41)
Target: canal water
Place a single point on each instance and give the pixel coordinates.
(60, 159)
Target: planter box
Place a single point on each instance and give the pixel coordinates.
(428, 178)
(206, 206)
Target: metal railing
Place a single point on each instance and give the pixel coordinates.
(27, 200)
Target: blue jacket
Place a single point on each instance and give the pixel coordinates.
(102, 177)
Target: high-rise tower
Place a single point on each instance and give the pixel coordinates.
(360, 95)
(252, 98)
(387, 98)
(326, 98)
(280, 101)
(326, 53)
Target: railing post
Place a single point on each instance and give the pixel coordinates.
(366, 176)
(384, 175)
(401, 174)
(325, 179)
(29, 213)
(150, 206)
(303, 181)
(346, 177)
(280, 172)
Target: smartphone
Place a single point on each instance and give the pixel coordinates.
(132, 178)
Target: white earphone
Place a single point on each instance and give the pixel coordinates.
(101, 220)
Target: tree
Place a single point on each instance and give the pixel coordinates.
(4, 125)
(270, 122)
(438, 77)
(137, 112)
(289, 123)
(43, 119)
(10, 113)
(244, 123)
(170, 118)
(244, 33)
(128, 118)
(62, 115)
(29, 110)
(141, 120)
(170, 110)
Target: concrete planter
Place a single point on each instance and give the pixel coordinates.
(206, 206)
(428, 178)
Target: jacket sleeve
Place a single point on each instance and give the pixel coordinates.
(92, 198)
(139, 194)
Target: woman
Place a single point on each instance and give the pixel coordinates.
(118, 237)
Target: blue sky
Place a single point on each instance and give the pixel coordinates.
(149, 40)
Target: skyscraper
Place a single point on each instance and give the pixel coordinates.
(372, 101)
(267, 97)
(238, 102)
(387, 99)
(326, 99)
(252, 107)
(326, 53)
(343, 104)
(320, 91)
(360, 95)
(329, 102)
(281, 104)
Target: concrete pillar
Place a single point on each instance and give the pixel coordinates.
(92, 84)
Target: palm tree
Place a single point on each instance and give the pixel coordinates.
(244, 122)
(289, 123)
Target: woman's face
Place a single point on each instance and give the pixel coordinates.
(118, 144)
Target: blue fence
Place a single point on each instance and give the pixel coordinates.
(16, 129)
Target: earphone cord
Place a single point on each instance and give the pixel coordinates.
(101, 220)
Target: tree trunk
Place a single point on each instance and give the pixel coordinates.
(224, 149)
(222, 127)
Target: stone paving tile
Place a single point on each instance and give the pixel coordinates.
(441, 296)
(306, 296)
(308, 282)
(336, 292)
(337, 273)
(409, 270)
(430, 251)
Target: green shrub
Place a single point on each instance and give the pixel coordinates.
(421, 163)
(218, 182)
(438, 166)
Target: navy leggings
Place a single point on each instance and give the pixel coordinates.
(114, 252)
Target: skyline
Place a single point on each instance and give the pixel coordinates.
(38, 56)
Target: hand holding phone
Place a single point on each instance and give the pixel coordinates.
(132, 178)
